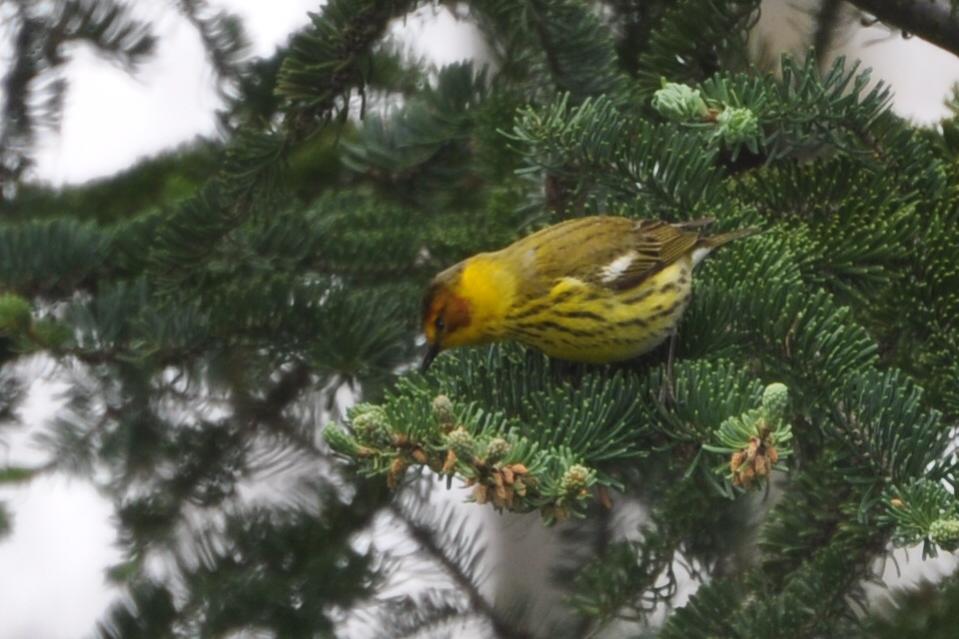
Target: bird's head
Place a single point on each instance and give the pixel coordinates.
(447, 315)
(466, 304)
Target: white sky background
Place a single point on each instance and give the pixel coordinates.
(171, 100)
(61, 541)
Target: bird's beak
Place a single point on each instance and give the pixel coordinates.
(432, 350)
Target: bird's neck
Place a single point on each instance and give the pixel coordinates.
(490, 286)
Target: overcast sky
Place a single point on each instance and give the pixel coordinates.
(113, 118)
(61, 543)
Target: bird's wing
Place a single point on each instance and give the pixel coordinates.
(651, 245)
(614, 253)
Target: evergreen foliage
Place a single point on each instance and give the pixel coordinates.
(237, 322)
(42, 37)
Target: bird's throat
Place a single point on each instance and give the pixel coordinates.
(490, 287)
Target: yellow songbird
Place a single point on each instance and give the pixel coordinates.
(592, 289)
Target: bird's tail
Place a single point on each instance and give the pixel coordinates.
(705, 245)
(715, 241)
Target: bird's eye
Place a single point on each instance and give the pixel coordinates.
(440, 323)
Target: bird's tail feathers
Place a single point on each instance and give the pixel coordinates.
(715, 241)
(695, 224)
(706, 245)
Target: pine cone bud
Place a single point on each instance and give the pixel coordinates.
(736, 461)
(397, 468)
(462, 443)
(761, 465)
(776, 402)
(576, 478)
(443, 411)
(449, 464)
(773, 455)
(371, 426)
(751, 463)
(736, 125)
(496, 450)
(945, 533)
(480, 493)
(680, 103)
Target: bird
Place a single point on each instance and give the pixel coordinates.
(596, 289)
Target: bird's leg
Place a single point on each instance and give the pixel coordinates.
(667, 390)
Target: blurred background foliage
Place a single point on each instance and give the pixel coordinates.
(215, 311)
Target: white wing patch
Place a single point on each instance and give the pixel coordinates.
(615, 269)
(700, 253)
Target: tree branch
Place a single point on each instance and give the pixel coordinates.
(827, 24)
(222, 36)
(425, 538)
(549, 50)
(269, 410)
(930, 20)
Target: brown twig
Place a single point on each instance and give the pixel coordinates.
(932, 21)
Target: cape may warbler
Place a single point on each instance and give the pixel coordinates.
(592, 289)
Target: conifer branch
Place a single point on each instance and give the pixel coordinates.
(222, 36)
(269, 410)
(827, 23)
(428, 542)
(33, 88)
(932, 21)
(549, 47)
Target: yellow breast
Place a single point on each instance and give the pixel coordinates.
(587, 323)
(489, 284)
